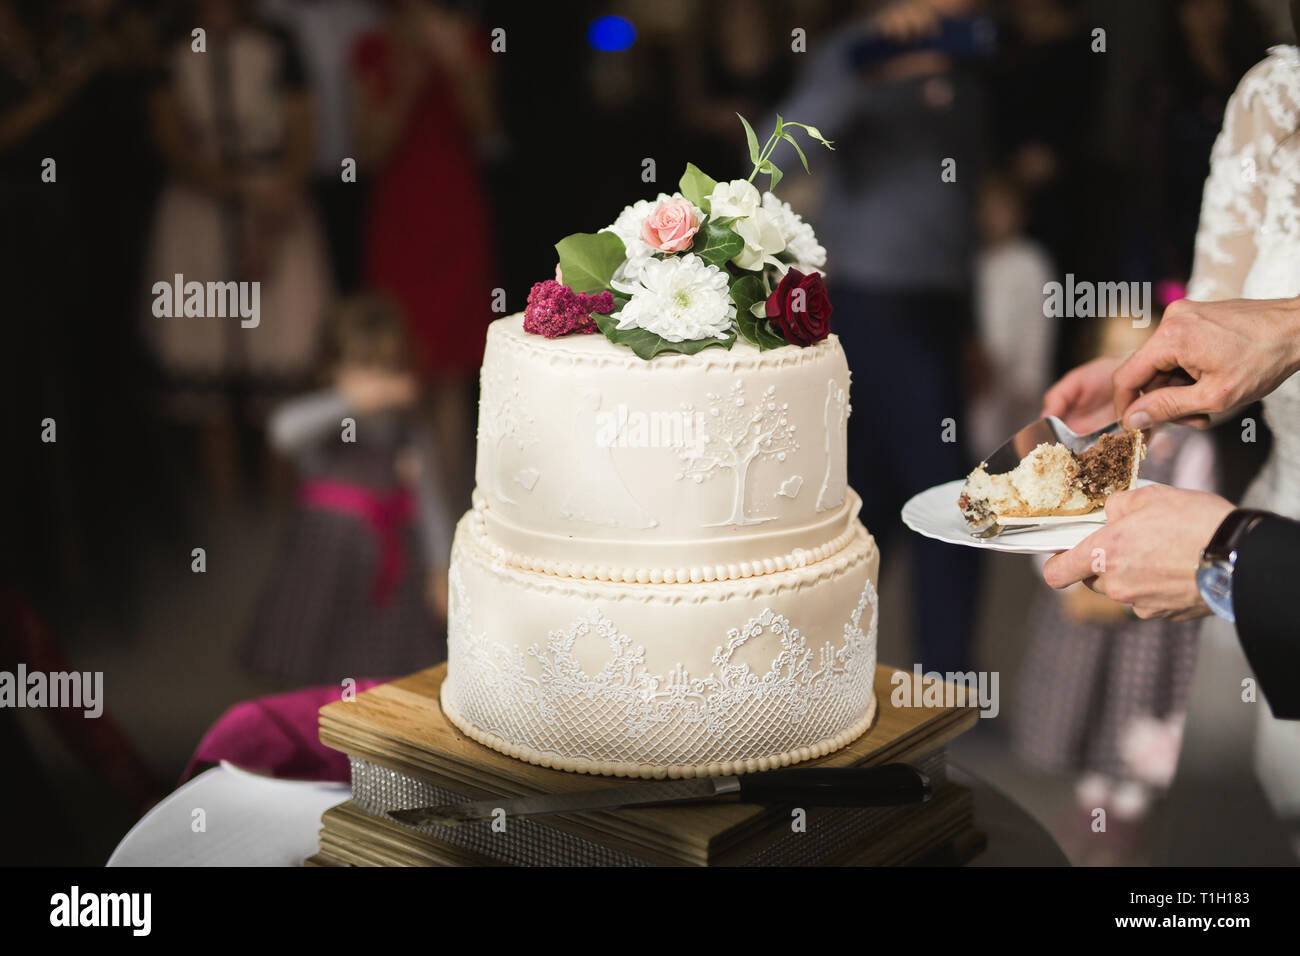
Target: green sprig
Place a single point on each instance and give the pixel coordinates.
(762, 157)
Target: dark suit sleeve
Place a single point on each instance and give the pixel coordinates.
(1266, 603)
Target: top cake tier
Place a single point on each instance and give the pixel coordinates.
(590, 457)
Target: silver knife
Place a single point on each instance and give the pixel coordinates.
(889, 785)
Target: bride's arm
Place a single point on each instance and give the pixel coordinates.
(1263, 112)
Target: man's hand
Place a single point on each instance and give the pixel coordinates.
(1085, 397)
(1147, 553)
(1236, 351)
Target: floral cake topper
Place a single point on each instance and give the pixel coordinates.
(693, 270)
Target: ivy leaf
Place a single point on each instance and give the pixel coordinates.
(745, 292)
(697, 185)
(751, 139)
(588, 260)
(647, 344)
(719, 244)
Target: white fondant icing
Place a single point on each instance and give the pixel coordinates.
(790, 487)
(552, 373)
(582, 565)
(596, 493)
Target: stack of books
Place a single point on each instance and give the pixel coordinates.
(404, 753)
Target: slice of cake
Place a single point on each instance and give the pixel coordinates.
(1054, 481)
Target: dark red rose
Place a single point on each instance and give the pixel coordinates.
(799, 308)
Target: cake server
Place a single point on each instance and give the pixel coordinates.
(1050, 430)
(890, 785)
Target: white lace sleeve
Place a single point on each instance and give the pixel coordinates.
(1261, 114)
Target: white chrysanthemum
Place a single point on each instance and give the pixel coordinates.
(628, 228)
(800, 240)
(681, 298)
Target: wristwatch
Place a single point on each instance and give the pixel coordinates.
(1214, 574)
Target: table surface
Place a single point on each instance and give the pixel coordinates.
(231, 817)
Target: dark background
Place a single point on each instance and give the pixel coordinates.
(98, 528)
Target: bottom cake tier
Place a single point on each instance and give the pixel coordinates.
(656, 680)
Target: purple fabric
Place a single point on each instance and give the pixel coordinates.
(276, 735)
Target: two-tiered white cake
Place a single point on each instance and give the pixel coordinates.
(663, 573)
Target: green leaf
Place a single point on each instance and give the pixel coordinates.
(647, 344)
(751, 139)
(719, 242)
(588, 260)
(802, 158)
(770, 168)
(745, 291)
(815, 133)
(697, 186)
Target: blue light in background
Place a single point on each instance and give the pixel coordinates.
(611, 33)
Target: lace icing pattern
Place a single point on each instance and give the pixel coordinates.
(1250, 213)
(542, 698)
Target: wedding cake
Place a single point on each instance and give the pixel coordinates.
(663, 572)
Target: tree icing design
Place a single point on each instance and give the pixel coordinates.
(736, 434)
(835, 419)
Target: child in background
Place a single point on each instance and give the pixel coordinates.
(1102, 694)
(1016, 337)
(361, 587)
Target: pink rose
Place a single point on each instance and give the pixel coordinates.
(670, 226)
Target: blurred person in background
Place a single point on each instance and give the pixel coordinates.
(1017, 338)
(424, 106)
(1044, 86)
(898, 219)
(745, 69)
(1103, 695)
(361, 586)
(326, 32)
(234, 127)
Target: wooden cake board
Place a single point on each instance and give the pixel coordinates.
(400, 725)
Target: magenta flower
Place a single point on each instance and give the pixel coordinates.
(554, 309)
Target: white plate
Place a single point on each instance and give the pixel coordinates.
(934, 513)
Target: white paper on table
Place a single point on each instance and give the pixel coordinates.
(248, 820)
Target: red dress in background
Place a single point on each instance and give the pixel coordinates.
(426, 243)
